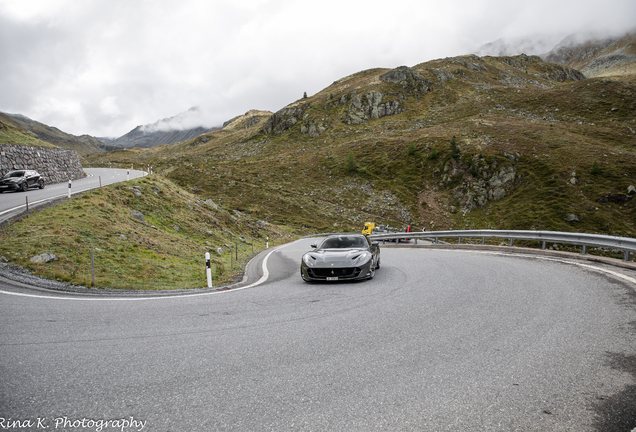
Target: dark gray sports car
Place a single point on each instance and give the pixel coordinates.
(341, 257)
(21, 180)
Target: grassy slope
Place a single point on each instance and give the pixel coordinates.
(17, 128)
(10, 134)
(495, 108)
(165, 252)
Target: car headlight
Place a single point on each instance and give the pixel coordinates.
(309, 260)
(361, 258)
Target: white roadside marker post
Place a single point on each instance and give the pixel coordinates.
(127, 175)
(208, 270)
(69, 188)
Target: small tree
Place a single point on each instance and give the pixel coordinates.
(351, 163)
(455, 153)
(411, 150)
(433, 155)
(596, 168)
(305, 95)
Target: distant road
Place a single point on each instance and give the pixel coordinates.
(12, 203)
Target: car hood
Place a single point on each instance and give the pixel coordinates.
(337, 257)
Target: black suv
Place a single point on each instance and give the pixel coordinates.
(21, 180)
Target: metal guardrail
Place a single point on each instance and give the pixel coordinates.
(626, 244)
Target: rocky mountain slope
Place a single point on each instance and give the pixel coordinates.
(22, 127)
(591, 54)
(596, 57)
(463, 142)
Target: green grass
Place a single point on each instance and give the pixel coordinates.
(164, 252)
(9, 134)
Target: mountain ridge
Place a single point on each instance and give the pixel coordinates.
(181, 127)
(83, 144)
(461, 142)
(592, 54)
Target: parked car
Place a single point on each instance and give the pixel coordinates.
(21, 180)
(341, 257)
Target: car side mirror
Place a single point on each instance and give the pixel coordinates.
(314, 246)
(375, 243)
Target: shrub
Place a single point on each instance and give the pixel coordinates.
(596, 168)
(351, 163)
(455, 153)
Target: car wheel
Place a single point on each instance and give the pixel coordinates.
(371, 272)
(41, 184)
(24, 186)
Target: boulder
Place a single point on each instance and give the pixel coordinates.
(283, 120)
(408, 79)
(367, 107)
(136, 190)
(136, 214)
(43, 258)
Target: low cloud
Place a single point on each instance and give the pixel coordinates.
(106, 66)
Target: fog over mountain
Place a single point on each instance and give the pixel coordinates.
(543, 44)
(190, 119)
(101, 67)
(530, 45)
(181, 127)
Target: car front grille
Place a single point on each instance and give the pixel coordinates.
(344, 273)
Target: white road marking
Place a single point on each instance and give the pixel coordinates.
(266, 276)
(258, 282)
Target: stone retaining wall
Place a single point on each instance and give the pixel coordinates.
(55, 164)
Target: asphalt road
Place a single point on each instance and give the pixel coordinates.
(12, 203)
(437, 341)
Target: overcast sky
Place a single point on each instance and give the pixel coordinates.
(102, 67)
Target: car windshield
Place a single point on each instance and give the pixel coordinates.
(14, 174)
(343, 242)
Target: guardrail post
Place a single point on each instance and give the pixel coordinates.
(415, 240)
(511, 242)
(436, 240)
(459, 240)
(543, 245)
(584, 251)
(483, 240)
(626, 259)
